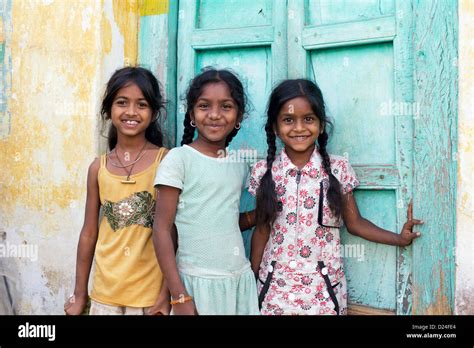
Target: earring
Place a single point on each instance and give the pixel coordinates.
(192, 124)
(237, 126)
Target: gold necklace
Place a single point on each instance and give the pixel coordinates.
(127, 165)
(129, 173)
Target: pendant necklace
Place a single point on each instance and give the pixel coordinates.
(129, 172)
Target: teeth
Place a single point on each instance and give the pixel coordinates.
(130, 122)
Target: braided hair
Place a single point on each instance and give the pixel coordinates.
(150, 87)
(267, 205)
(267, 201)
(212, 75)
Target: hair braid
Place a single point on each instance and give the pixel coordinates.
(334, 189)
(231, 136)
(267, 201)
(188, 133)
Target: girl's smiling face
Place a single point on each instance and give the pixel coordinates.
(131, 113)
(298, 127)
(215, 113)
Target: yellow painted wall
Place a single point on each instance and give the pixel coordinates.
(61, 56)
(465, 197)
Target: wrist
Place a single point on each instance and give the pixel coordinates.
(80, 293)
(164, 295)
(249, 219)
(400, 241)
(182, 299)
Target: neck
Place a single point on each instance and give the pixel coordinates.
(209, 148)
(128, 144)
(300, 159)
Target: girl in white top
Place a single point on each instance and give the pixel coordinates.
(199, 189)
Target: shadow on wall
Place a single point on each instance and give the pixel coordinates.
(9, 295)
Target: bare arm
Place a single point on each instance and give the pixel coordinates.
(87, 243)
(162, 305)
(247, 220)
(361, 227)
(259, 240)
(163, 233)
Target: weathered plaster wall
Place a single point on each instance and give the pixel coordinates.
(464, 294)
(61, 56)
(157, 52)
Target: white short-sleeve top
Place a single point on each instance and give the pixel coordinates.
(207, 217)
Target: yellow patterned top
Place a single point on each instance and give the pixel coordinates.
(127, 272)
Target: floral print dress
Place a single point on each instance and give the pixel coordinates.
(301, 271)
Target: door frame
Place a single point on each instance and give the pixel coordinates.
(426, 283)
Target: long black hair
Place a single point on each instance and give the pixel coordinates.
(150, 87)
(212, 75)
(267, 202)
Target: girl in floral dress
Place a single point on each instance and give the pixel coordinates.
(303, 197)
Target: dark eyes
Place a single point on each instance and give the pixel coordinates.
(206, 105)
(123, 102)
(307, 119)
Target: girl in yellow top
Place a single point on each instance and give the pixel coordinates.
(127, 279)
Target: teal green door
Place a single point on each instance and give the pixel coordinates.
(358, 52)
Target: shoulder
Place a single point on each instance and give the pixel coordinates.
(159, 150)
(258, 171)
(339, 161)
(95, 165)
(179, 151)
(156, 150)
(93, 171)
(343, 171)
(174, 153)
(259, 168)
(174, 160)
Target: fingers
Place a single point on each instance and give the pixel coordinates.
(410, 210)
(70, 301)
(410, 223)
(414, 235)
(157, 311)
(67, 305)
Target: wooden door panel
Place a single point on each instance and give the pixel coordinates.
(357, 51)
(218, 14)
(322, 12)
(253, 65)
(372, 279)
(356, 81)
